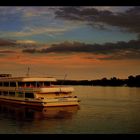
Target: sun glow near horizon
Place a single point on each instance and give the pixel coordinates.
(59, 40)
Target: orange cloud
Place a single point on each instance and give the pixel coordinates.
(75, 65)
(73, 60)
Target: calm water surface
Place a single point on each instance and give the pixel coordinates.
(110, 110)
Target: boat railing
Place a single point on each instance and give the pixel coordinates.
(50, 86)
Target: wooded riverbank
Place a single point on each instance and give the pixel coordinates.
(131, 81)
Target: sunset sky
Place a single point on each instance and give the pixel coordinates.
(84, 42)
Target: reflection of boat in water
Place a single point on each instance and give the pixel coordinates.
(23, 112)
(35, 91)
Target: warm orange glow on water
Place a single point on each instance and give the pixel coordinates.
(110, 110)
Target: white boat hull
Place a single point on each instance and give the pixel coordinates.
(43, 103)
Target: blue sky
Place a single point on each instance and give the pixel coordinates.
(25, 20)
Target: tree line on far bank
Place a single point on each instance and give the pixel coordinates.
(131, 81)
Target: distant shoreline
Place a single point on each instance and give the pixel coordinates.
(131, 81)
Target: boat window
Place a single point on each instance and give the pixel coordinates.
(21, 84)
(32, 84)
(5, 93)
(0, 84)
(12, 93)
(29, 95)
(20, 94)
(40, 84)
(12, 84)
(27, 84)
(6, 84)
(47, 83)
(57, 93)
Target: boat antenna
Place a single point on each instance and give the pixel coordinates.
(28, 72)
(64, 78)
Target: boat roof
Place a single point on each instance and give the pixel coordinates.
(27, 79)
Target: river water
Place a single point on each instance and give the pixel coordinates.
(102, 110)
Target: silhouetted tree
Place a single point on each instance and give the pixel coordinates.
(131, 81)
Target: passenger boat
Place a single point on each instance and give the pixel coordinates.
(36, 91)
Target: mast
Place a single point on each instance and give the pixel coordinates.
(28, 72)
(64, 79)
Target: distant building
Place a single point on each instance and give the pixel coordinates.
(5, 75)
